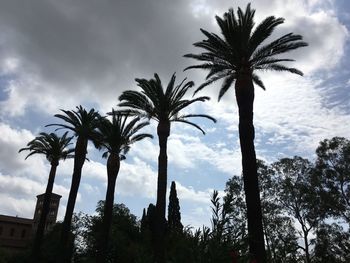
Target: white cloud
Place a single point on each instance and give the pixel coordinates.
(11, 141)
(189, 194)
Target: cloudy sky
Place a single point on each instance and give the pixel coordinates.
(59, 54)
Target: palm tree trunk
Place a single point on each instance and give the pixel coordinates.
(113, 164)
(79, 159)
(46, 207)
(163, 131)
(245, 98)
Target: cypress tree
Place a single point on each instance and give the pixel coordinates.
(144, 221)
(174, 215)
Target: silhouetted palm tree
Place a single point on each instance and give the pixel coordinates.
(55, 149)
(235, 58)
(115, 137)
(164, 106)
(83, 123)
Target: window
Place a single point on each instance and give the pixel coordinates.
(12, 232)
(23, 234)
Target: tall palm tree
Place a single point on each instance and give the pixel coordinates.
(55, 149)
(83, 123)
(235, 58)
(164, 106)
(115, 137)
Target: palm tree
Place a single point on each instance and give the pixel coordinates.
(115, 137)
(164, 106)
(83, 123)
(55, 149)
(235, 58)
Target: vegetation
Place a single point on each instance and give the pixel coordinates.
(299, 224)
(236, 58)
(174, 215)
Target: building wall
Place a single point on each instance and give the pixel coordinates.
(15, 232)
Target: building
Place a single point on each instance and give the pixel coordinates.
(17, 232)
(51, 217)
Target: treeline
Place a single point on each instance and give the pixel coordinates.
(306, 217)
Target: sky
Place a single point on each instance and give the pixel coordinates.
(60, 54)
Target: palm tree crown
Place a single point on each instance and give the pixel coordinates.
(242, 51)
(81, 122)
(52, 146)
(161, 105)
(116, 135)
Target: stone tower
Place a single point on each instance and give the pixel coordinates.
(51, 217)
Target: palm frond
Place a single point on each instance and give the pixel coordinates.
(118, 134)
(54, 147)
(178, 106)
(226, 85)
(81, 122)
(262, 32)
(215, 78)
(156, 103)
(240, 49)
(198, 115)
(258, 81)
(189, 123)
(278, 67)
(281, 45)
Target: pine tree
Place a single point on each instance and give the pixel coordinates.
(174, 215)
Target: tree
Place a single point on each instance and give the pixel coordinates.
(235, 58)
(174, 215)
(280, 235)
(115, 137)
(279, 232)
(125, 244)
(164, 106)
(237, 214)
(332, 244)
(333, 174)
(297, 198)
(55, 149)
(83, 123)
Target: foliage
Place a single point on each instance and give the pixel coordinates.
(174, 215)
(242, 49)
(333, 175)
(82, 122)
(332, 244)
(51, 145)
(154, 102)
(117, 135)
(125, 236)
